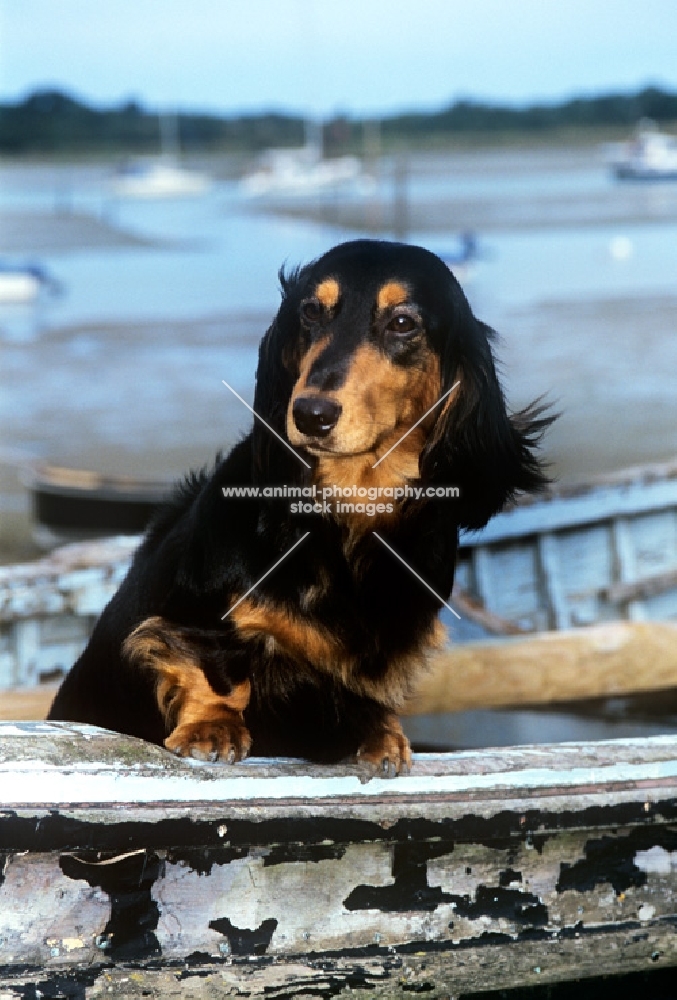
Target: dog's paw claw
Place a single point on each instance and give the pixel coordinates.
(226, 738)
(387, 752)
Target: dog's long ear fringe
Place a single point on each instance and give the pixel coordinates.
(273, 463)
(288, 278)
(477, 446)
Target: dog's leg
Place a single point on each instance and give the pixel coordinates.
(387, 749)
(199, 722)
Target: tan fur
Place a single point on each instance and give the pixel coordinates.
(198, 720)
(311, 645)
(300, 389)
(380, 401)
(298, 637)
(392, 294)
(380, 404)
(442, 412)
(328, 292)
(316, 591)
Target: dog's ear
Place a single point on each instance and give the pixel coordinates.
(277, 371)
(475, 444)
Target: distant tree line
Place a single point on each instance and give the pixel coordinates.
(607, 110)
(50, 122)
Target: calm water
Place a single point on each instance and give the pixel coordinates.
(209, 272)
(215, 256)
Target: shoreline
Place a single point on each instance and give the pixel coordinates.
(155, 405)
(59, 231)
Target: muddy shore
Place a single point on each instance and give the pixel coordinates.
(147, 399)
(36, 233)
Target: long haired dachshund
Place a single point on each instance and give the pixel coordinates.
(205, 651)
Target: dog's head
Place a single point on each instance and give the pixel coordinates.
(368, 342)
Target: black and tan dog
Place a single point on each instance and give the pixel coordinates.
(317, 659)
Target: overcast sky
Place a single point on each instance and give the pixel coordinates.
(324, 56)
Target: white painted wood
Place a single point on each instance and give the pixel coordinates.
(593, 505)
(479, 870)
(548, 554)
(626, 559)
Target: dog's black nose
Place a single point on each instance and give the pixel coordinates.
(315, 415)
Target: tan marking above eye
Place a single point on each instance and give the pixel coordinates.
(328, 292)
(307, 361)
(393, 293)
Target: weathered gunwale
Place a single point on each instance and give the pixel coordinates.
(497, 867)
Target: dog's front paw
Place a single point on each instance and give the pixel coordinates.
(224, 737)
(387, 751)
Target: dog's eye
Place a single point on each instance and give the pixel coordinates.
(311, 311)
(401, 324)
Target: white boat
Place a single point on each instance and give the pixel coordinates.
(161, 176)
(650, 156)
(159, 179)
(305, 171)
(295, 172)
(22, 283)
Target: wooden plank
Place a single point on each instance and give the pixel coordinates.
(127, 869)
(626, 558)
(548, 557)
(637, 590)
(614, 659)
(27, 703)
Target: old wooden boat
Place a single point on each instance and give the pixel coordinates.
(128, 872)
(605, 550)
(74, 504)
(601, 556)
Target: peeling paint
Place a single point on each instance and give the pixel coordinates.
(656, 861)
(389, 893)
(410, 889)
(611, 859)
(243, 940)
(512, 904)
(127, 879)
(285, 854)
(508, 877)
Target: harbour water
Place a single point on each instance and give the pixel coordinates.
(163, 299)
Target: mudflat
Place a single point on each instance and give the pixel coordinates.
(34, 233)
